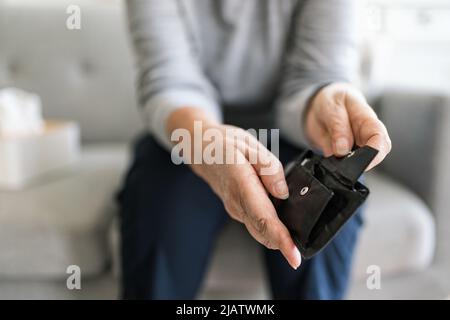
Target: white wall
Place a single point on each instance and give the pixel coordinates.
(410, 43)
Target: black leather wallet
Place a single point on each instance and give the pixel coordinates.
(323, 194)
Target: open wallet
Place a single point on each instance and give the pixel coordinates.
(324, 193)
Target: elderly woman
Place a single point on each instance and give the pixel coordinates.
(251, 64)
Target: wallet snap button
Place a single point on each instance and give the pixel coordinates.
(304, 191)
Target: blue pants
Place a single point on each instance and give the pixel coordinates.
(170, 219)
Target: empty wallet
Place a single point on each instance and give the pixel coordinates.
(324, 193)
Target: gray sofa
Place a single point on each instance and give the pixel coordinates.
(69, 218)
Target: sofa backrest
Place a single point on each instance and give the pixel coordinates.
(84, 75)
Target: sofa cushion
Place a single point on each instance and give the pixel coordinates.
(237, 270)
(64, 220)
(399, 230)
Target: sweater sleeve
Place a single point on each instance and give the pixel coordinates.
(169, 73)
(323, 49)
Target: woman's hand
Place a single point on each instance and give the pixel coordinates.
(339, 117)
(242, 185)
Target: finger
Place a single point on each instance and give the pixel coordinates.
(337, 124)
(368, 129)
(374, 134)
(290, 252)
(325, 144)
(267, 166)
(320, 139)
(234, 210)
(262, 221)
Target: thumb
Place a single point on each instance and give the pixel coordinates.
(339, 130)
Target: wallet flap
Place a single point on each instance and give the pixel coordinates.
(352, 166)
(308, 198)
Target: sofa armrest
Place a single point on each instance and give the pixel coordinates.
(419, 126)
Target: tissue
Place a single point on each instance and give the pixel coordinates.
(20, 113)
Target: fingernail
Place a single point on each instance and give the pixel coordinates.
(298, 258)
(282, 189)
(342, 147)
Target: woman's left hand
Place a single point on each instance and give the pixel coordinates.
(339, 117)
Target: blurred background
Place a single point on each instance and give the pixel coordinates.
(57, 187)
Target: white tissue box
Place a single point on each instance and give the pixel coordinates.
(26, 158)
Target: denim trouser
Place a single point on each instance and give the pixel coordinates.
(170, 219)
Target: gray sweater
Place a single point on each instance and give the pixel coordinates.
(248, 58)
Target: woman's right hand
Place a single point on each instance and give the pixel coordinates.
(244, 184)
